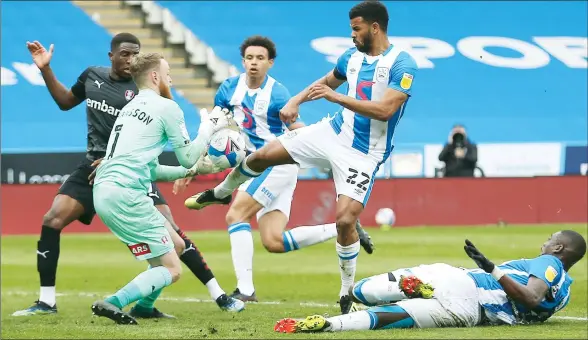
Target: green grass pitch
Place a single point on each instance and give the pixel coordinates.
(288, 285)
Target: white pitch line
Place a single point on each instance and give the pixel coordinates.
(169, 298)
(178, 299)
(575, 318)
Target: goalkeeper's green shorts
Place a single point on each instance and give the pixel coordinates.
(132, 217)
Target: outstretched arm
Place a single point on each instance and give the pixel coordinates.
(168, 173)
(188, 153)
(395, 94)
(65, 98)
(289, 113)
(382, 110)
(330, 80)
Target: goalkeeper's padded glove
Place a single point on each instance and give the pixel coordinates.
(204, 166)
(478, 257)
(216, 120)
(222, 118)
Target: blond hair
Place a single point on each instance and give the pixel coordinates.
(143, 63)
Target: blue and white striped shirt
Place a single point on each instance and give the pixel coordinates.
(368, 77)
(499, 308)
(256, 110)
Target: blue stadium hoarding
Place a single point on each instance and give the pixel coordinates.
(511, 71)
(529, 85)
(576, 160)
(31, 121)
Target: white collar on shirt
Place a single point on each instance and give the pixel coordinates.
(371, 58)
(252, 92)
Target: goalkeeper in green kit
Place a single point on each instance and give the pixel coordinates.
(141, 132)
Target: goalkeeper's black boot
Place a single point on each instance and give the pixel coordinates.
(140, 312)
(108, 310)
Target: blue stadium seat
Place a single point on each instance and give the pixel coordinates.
(31, 121)
(497, 104)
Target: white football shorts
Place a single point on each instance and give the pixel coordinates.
(455, 300)
(318, 145)
(273, 189)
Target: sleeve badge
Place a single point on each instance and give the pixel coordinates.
(550, 274)
(406, 81)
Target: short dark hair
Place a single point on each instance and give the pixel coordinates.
(120, 38)
(575, 244)
(260, 41)
(371, 11)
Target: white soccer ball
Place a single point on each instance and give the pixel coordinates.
(226, 148)
(385, 217)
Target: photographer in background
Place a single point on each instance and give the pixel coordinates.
(459, 154)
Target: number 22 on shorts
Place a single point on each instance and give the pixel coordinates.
(361, 185)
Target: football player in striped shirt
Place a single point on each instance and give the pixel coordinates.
(439, 295)
(256, 99)
(353, 143)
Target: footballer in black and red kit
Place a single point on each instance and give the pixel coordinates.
(105, 91)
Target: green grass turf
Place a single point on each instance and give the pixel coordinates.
(94, 265)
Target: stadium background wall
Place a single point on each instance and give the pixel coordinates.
(422, 201)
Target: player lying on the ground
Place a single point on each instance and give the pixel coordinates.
(256, 100)
(141, 132)
(106, 91)
(439, 295)
(354, 143)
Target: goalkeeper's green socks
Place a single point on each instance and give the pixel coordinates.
(145, 284)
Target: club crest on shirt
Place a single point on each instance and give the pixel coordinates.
(129, 94)
(260, 105)
(406, 81)
(382, 74)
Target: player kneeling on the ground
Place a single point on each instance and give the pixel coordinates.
(439, 295)
(140, 134)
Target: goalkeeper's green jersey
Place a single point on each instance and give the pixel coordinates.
(141, 132)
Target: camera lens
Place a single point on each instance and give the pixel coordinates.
(458, 140)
